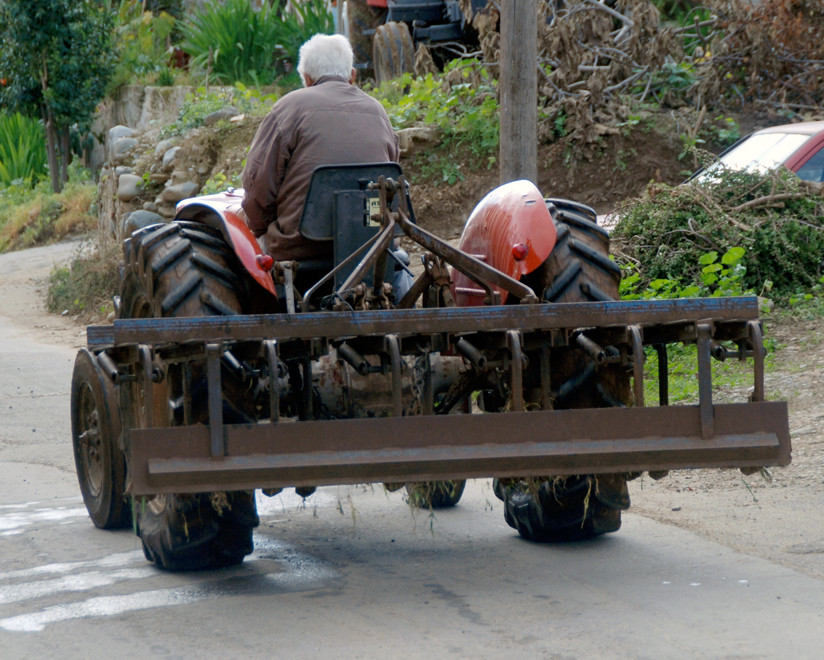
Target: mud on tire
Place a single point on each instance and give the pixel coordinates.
(435, 494)
(178, 270)
(568, 508)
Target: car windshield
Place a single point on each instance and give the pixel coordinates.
(763, 152)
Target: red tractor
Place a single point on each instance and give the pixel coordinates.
(506, 357)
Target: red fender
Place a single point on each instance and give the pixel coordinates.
(512, 230)
(221, 211)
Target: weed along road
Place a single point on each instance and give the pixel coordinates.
(351, 571)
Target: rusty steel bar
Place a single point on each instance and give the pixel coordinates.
(393, 348)
(428, 393)
(663, 374)
(513, 340)
(353, 358)
(370, 258)
(215, 400)
(271, 349)
(424, 448)
(331, 274)
(758, 360)
(546, 387)
(145, 382)
(636, 337)
(595, 351)
(471, 353)
(705, 379)
(455, 320)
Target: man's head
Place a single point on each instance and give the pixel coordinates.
(325, 55)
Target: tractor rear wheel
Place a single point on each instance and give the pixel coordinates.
(393, 52)
(573, 507)
(177, 270)
(362, 19)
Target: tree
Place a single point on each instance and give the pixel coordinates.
(56, 58)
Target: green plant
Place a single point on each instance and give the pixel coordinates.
(714, 276)
(33, 215)
(165, 78)
(56, 58)
(220, 182)
(671, 80)
(724, 131)
(717, 276)
(88, 284)
(233, 42)
(461, 103)
(204, 101)
(142, 39)
(22, 149)
(300, 22)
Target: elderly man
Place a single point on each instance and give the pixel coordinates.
(330, 121)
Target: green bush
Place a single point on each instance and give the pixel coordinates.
(22, 149)
(236, 43)
(462, 103)
(773, 216)
(141, 38)
(305, 20)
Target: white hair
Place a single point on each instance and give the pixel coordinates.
(325, 55)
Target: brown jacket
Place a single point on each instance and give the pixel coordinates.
(330, 122)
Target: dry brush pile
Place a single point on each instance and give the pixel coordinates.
(600, 60)
(774, 216)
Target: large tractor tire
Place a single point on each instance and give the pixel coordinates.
(100, 463)
(393, 52)
(574, 507)
(177, 270)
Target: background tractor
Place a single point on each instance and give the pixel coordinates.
(385, 33)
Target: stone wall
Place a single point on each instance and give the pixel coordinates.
(141, 176)
(137, 107)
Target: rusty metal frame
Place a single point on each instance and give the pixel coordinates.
(421, 448)
(275, 453)
(671, 320)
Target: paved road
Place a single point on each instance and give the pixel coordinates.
(352, 573)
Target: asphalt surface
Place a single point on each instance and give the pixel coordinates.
(353, 572)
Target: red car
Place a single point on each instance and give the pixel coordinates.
(799, 147)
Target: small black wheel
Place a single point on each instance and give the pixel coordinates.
(393, 52)
(435, 494)
(100, 464)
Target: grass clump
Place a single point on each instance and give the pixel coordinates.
(204, 101)
(36, 216)
(87, 285)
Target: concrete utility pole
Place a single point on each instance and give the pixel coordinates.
(518, 151)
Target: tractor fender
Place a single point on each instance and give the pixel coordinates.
(510, 229)
(222, 211)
